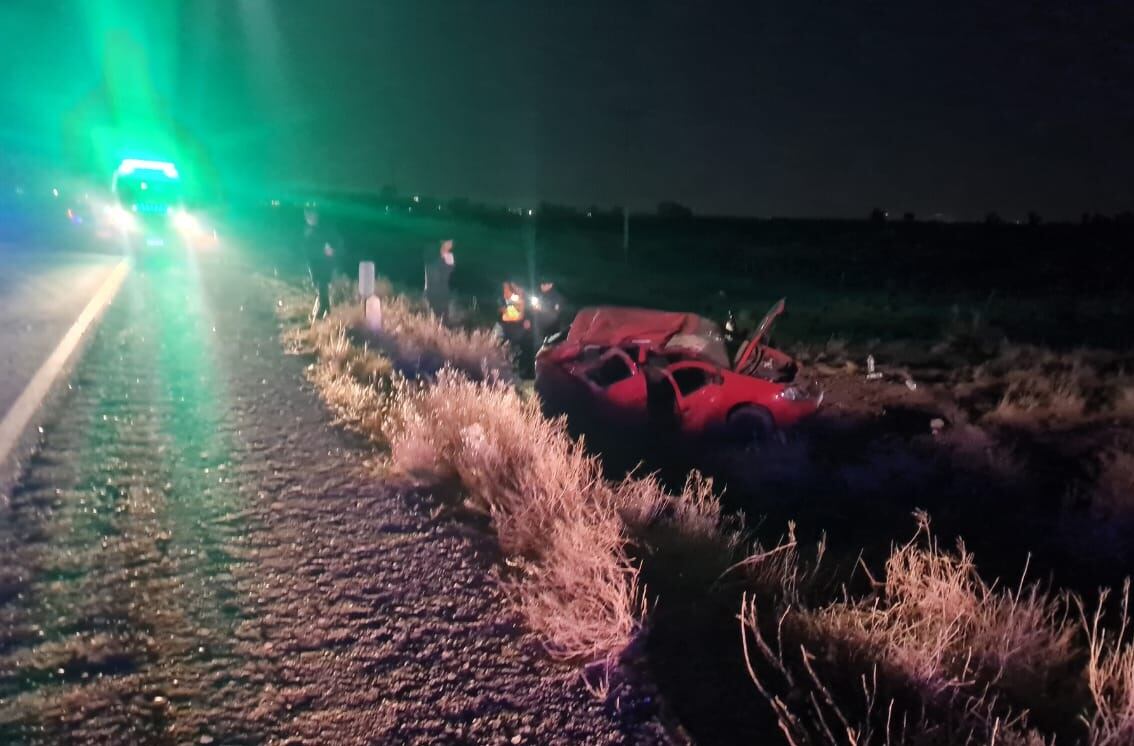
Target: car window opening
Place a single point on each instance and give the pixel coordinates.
(689, 380)
(611, 371)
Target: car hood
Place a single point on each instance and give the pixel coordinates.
(759, 335)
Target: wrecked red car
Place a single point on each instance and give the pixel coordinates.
(671, 370)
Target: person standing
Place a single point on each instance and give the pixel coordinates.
(438, 271)
(548, 310)
(319, 246)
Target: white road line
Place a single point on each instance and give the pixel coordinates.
(25, 407)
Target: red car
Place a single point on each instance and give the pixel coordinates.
(672, 370)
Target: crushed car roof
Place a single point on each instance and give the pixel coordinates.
(611, 326)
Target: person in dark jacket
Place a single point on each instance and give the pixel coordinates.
(549, 308)
(437, 275)
(319, 246)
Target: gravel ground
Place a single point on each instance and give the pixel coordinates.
(195, 557)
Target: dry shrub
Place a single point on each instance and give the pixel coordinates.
(1035, 396)
(641, 502)
(420, 345)
(351, 357)
(779, 575)
(932, 655)
(683, 540)
(973, 448)
(293, 306)
(582, 596)
(554, 514)
(1036, 385)
(1112, 495)
(344, 290)
(695, 512)
(969, 336)
(1122, 402)
(356, 383)
(846, 703)
(549, 505)
(518, 467)
(360, 407)
(934, 620)
(1110, 675)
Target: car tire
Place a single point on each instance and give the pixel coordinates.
(751, 425)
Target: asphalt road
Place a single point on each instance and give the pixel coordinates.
(42, 292)
(195, 555)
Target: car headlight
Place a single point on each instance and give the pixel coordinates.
(795, 393)
(185, 223)
(121, 218)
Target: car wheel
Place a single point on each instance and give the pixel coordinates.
(751, 425)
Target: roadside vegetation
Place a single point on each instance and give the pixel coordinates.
(916, 648)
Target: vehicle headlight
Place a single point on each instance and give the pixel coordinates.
(121, 218)
(185, 223)
(795, 393)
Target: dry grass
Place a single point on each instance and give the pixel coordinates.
(558, 521)
(517, 467)
(1123, 402)
(1110, 675)
(937, 623)
(361, 407)
(1035, 386)
(929, 654)
(1112, 495)
(421, 345)
(411, 339)
(1037, 396)
(582, 595)
(932, 654)
(355, 382)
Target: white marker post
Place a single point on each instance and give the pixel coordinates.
(371, 303)
(365, 280)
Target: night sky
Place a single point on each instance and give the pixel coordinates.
(787, 109)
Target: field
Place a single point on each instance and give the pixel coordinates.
(1003, 418)
(1015, 343)
(852, 280)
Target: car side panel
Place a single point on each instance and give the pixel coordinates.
(742, 390)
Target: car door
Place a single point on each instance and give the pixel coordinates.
(699, 395)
